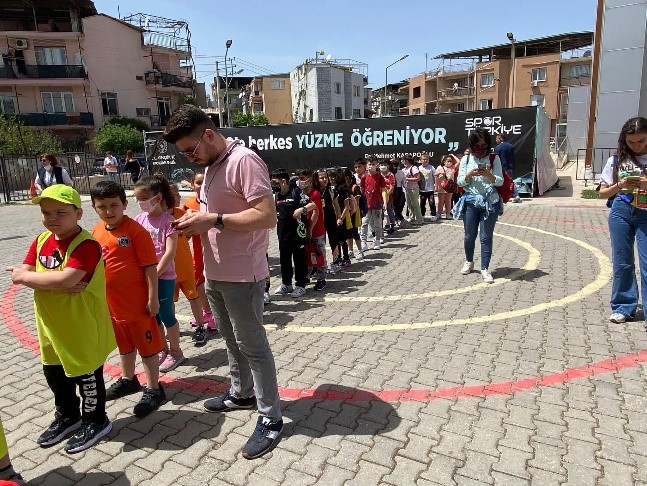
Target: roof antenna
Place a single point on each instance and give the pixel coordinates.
(118, 12)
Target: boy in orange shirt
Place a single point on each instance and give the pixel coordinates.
(131, 289)
(186, 278)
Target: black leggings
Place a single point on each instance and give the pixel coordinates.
(92, 389)
(331, 233)
(428, 196)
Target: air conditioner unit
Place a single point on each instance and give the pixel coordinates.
(21, 44)
(534, 83)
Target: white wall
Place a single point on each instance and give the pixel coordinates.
(577, 118)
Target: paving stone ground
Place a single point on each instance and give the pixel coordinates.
(475, 400)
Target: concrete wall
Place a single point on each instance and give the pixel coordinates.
(277, 103)
(549, 88)
(577, 118)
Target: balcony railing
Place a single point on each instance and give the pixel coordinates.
(50, 119)
(459, 92)
(567, 81)
(168, 41)
(159, 78)
(39, 71)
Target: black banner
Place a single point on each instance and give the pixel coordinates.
(339, 143)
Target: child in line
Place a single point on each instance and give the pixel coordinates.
(193, 203)
(346, 204)
(316, 228)
(373, 186)
(131, 285)
(292, 206)
(66, 271)
(154, 196)
(354, 217)
(7, 472)
(321, 182)
(389, 214)
(185, 274)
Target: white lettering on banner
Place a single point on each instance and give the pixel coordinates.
(270, 143)
(493, 124)
(407, 136)
(320, 140)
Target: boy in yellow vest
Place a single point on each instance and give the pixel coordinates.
(66, 271)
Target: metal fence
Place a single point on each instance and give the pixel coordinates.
(591, 161)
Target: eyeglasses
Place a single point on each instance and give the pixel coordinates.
(191, 153)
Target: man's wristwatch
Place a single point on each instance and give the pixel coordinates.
(219, 225)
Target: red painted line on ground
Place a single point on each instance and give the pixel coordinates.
(203, 385)
(551, 220)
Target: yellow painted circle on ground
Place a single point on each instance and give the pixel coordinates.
(600, 281)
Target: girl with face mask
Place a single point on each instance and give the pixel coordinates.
(480, 206)
(154, 197)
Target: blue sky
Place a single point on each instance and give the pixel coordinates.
(274, 37)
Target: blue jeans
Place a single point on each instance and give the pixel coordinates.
(626, 225)
(474, 222)
(113, 176)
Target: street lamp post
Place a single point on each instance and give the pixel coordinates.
(227, 45)
(219, 103)
(512, 54)
(386, 79)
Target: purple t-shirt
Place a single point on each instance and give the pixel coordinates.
(159, 228)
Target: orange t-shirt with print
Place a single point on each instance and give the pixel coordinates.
(196, 241)
(183, 259)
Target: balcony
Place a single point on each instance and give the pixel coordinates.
(58, 119)
(167, 80)
(456, 92)
(38, 71)
(569, 81)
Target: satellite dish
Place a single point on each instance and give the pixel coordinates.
(328, 57)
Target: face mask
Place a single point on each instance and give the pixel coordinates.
(479, 153)
(384, 168)
(276, 188)
(302, 184)
(147, 206)
(372, 170)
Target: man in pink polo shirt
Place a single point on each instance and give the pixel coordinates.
(236, 210)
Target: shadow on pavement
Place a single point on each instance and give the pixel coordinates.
(505, 272)
(66, 476)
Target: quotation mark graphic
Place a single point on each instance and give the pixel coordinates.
(453, 146)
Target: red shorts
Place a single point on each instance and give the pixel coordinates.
(142, 335)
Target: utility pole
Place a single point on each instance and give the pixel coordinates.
(219, 104)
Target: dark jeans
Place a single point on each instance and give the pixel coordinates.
(474, 223)
(293, 251)
(427, 196)
(91, 387)
(398, 203)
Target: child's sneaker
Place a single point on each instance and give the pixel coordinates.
(283, 289)
(162, 356)
(227, 402)
(351, 254)
(88, 435)
(172, 361)
(210, 321)
(199, 336)
(360, 256)
(151, 400)
(320, 285)
(266, 298)
(345, 262)
(298, 292)
(122, 387)
(364, 246)
(57, 430)
(265, 437)
(376, 245)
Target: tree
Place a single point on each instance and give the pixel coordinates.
(240, 119)
(135, 123)
(118, 139)
(259, 119)
(15, 138)
(187, 100)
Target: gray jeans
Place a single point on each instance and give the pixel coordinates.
(238, 308)
(320, 273)
(373, 219)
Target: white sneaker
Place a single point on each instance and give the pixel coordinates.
(351, 254)
(376, 245)
(364, 246)
(333, 269)
(283, 289)
(467, 268)
(434, 218)
(298, 292)
(266, 298)
(617, 318)
(487, 276)
(360, 256)
(517, 199)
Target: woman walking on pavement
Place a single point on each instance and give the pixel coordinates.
(624, 182)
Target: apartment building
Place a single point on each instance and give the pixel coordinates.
(69, 69)
(233, 95)
(272, 95)
(325, 89)
(537, 72)
(390, 101)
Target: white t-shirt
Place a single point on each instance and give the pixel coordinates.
(627, 165)
(429, 173)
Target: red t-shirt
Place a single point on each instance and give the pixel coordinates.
(390, 185)
(52, 253)
(319, 228)
(372, 185)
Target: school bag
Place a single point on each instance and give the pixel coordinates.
(506, 190)
(422, 182)
(448, 185)
(363, 204)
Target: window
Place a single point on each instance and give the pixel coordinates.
(339, 114)
(109, 103)
(416, 92)
(338, 88)
(485, 104)
(51, 56)
(143, 111)
(579, 71)
(164, 108)
(536, 100)
(59, 102)
(311, 115)
(539, 74)
(460, 106)
(416, 111)
(277, 84)
(357, 113)
(487, 80)
(257, 108)
(6, 104)
(357, 91)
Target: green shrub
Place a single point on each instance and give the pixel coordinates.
(117, 139)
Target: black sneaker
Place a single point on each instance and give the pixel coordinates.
(57, 431)
(227, 402)
(122, 387)
(88, 435)
(199, 336)
(265, 437)
(320, 285)
(151, 400)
